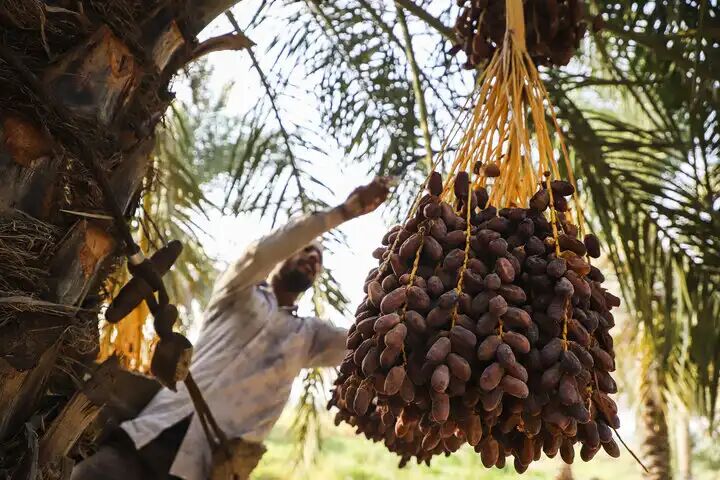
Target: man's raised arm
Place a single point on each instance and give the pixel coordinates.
(262, 256)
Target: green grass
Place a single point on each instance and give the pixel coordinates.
(345, 456)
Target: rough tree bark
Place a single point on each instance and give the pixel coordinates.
(565, 472)
(656, 441)
(683, 444)
(80, 81)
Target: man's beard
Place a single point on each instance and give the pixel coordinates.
(295, 281)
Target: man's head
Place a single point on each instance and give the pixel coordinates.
(297, 273)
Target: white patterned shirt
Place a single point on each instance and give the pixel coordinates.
(248, 353)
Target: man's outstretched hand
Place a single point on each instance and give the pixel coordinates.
(367, 198)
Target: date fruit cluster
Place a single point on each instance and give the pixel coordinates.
(553, 29)
(482, 333)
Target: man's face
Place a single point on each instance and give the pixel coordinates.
(299, 272)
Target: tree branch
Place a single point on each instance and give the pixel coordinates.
(343, 49)
(583, 82)
(389, 32)
(286, 137)
(199, 13)
(659, 48)
(417, 87)
(423, 15)
(229, 41)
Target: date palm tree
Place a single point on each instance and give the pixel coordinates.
(84, 85)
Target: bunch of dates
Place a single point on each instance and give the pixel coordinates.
(553, 29)
(493, 333)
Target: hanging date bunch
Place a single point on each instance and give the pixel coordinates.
(553, 29)
(485, 321)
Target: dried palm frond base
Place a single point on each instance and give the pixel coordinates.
(25, 246)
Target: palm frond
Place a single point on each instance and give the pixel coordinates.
(306, 424)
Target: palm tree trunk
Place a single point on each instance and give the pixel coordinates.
(656, 441)
(565, 472)
(684, 445)
(82, 88)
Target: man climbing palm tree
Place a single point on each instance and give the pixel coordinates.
(251, 347)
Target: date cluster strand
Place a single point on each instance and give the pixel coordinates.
(485, 322)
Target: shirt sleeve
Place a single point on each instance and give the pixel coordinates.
(262, 256)
(327, 348)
